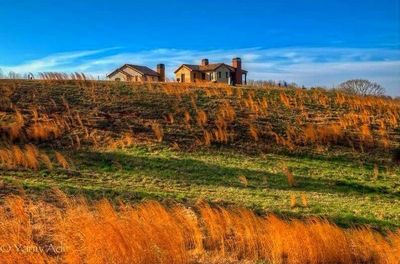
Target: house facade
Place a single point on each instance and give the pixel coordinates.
(215, 72)
(137, 73)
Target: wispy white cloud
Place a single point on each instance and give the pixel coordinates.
(54, 62)
(330, 74)
(306, 66)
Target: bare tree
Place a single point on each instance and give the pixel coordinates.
(362, 87)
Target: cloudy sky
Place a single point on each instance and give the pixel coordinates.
(309, 42)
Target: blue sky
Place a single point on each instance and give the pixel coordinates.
(309, 42)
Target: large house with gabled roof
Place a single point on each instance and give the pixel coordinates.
(215, 72)
(137, 73)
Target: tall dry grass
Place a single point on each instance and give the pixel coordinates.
(200, 112)
(28, 157)
(14, 130)
(158, 131)
(44, 131)
(74, 232)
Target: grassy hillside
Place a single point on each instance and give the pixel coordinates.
(293, 152)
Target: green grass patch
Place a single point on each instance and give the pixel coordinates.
(340, 189)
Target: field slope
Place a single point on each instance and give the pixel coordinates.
(104, 172)
(293, 152)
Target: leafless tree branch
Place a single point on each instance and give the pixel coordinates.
(362, 87)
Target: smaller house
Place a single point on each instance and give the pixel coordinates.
(137, 73)
(215, 72)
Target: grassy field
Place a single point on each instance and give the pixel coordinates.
(167, 173)
(341, 188)
(136, 142)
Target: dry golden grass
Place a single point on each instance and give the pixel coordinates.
(191, 115)
(253, 132)
(201, 118)
(75, 232)
(187, 118)
(243, 180)
(14, 130)
(289, 176)
(29, 157)
(158, 131)
(46, 161)
(284, 99)
(170, 118)
(44, 131)
(376, 171)
(62, 161)
(290, 118)
(207, 137)
(293, 201)
(304, 200)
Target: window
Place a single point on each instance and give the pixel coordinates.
(203, 76)
(226, 75)
(219, 75)
(117, 79)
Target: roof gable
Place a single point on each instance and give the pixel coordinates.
(207, 68)
(188, 66)
(140, 69)
(215, 66)
(143, 69)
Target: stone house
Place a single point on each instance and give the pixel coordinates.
(215, 72)
(137, 73)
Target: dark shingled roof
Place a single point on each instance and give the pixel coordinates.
(209, 67)
(142, 69)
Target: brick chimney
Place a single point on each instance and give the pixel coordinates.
(161, 71)
(237, 64)
(204, 62)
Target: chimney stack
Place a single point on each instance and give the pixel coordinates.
(161, 71)
(204, 62)
(237, 64)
